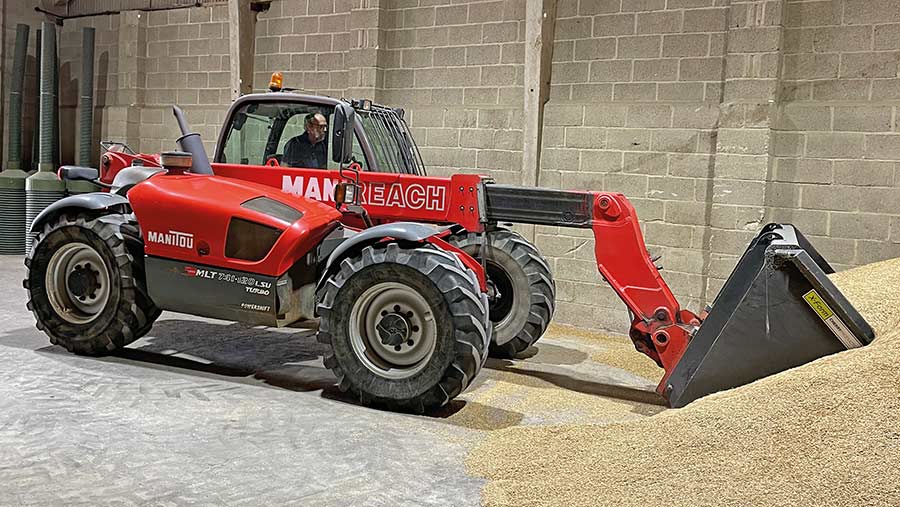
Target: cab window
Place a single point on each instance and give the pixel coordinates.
(262, 133)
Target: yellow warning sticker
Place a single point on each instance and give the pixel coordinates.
(834, 323)
(818, 304)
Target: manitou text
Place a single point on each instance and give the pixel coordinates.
(172, 238)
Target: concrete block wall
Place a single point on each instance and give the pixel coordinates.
(106, 81)
(712, 116)
(743, 162)
(186, 61)
(634, 108)
(457, 67)
(837, 140)
(167, 57)
(308, 41)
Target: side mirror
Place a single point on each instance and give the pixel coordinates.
(342, 133)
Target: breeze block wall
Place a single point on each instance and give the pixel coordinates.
(308, 41)
(458, 69)
(712, 116)
(837, 141)
(183, 58)
(636, 88)
(106, 82)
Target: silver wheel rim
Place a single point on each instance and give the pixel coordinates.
(384, 313)
(77, 283)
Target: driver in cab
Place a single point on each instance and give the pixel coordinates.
(309, 149)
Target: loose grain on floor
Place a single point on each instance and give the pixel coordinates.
(823, 434)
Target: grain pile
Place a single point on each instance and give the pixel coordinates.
(826, 433)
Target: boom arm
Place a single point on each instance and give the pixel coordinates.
(660, 328)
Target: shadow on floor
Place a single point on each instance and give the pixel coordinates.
(579, 383)
(292, 359)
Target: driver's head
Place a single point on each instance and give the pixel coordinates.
(316, 125)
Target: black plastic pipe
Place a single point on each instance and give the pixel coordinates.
(14, 153)
(86, 99)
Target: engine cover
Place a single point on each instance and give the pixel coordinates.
(231, 224)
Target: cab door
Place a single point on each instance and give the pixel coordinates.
(253, 147)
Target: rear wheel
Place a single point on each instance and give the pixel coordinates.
(85, 285)
(521, 290)
(407, 326)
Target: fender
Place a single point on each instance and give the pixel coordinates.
(93, 201)
(408, 231)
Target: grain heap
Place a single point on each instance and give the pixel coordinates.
(823, 434)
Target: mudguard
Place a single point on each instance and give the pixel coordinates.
(92, 201)
(131, 176)
(407, 231)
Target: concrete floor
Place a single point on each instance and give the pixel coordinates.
(205, 412)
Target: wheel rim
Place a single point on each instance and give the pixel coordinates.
(77, 283)
(392, 330)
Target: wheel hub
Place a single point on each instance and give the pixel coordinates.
(84, 281)
(393, 329)
(493, 293)
(78, 283)
(501, 295)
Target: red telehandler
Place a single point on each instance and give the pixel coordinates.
(167, 231)
(251, 147)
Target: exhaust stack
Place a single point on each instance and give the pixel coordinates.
(190, 142)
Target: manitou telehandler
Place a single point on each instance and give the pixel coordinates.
(403, 311)
(251, 147)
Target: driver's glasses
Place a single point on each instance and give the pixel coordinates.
(322, 127)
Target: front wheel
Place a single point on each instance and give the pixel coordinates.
(85, 284)
(407, 326)
(522, 293)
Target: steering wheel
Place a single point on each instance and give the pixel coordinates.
(273, 161)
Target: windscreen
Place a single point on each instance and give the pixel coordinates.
(290, 134)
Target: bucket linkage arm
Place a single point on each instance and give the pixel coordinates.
(660, 328)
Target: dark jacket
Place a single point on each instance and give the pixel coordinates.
(299, 152)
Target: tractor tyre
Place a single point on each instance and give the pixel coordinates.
(85, 283)
(135, 244)
(407, 326)
(522, 293)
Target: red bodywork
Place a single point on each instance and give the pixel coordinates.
(661, 329)
(197, 234)
(388, 197)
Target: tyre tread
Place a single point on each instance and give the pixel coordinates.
(467, 312)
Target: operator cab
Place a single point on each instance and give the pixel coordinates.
(272, 129)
